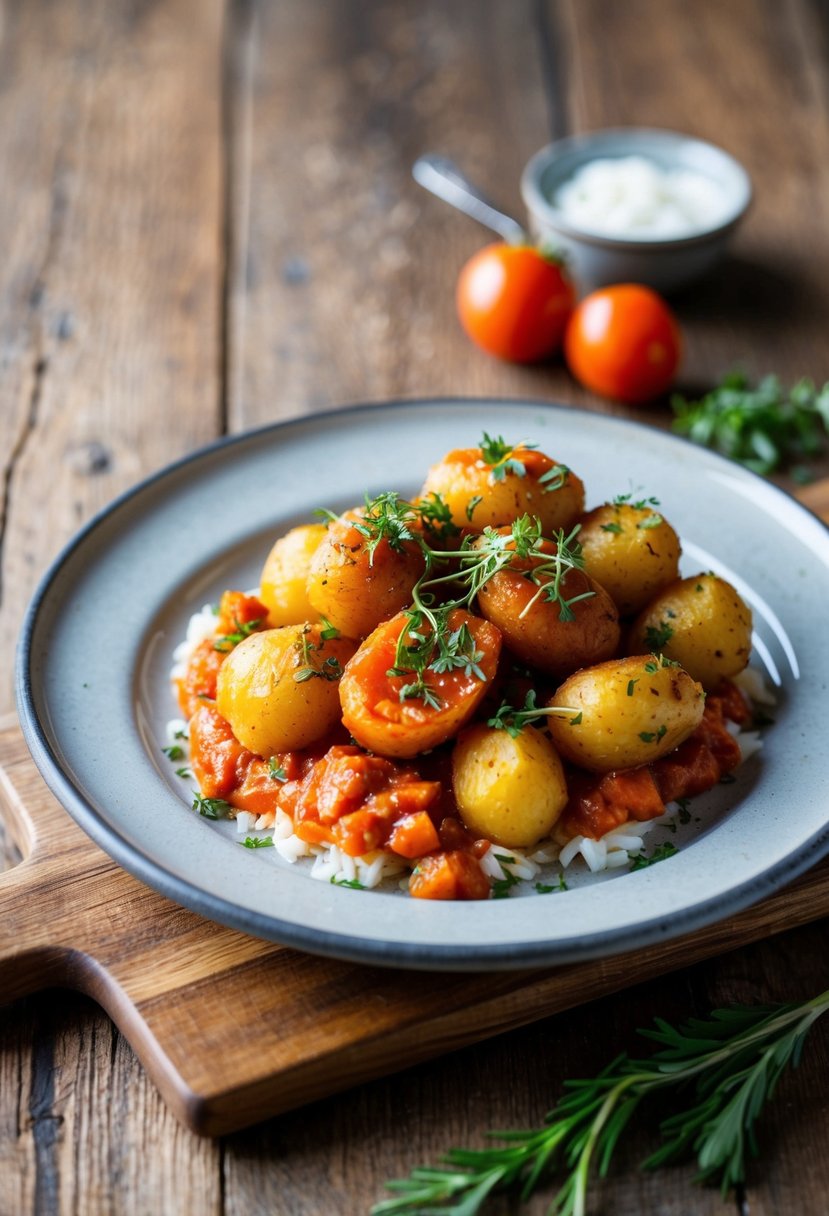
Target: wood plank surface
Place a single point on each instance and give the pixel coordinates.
(150, 152)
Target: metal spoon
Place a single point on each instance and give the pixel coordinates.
(443, 177)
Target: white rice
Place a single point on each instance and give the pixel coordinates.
(200, 627)
(617, 848)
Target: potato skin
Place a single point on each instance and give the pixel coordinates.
(509, 790)
(258, 693)
(541, 639)
(633, 711)
(709, 624)
(632, 551)
(373, 711)
(463, 476)
(355, 590)
(283, 583)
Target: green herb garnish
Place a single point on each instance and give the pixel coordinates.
(211, 808)
(352, 883)
(544, 888)
(257, 842)
(513, 720)
(173, 752)
(499, 454)
(764, 428)
(243, 629)
(720, 1071)
(661, 853)
(657, 636)
(275, 771)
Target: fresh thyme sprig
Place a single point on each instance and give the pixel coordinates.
(429, 643)
(731, 1061)
(513, 720)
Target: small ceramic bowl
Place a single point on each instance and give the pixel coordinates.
(665, 263)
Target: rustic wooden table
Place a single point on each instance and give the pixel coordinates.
(210, 224)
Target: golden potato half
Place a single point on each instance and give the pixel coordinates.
(626, 712)
(702, 623)
(356, 588)
(278, 689)
(510, 790)
(283, 584)
(632, 551)
(483, 493)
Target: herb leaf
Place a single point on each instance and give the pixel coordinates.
(720, 1071)
(211, 808)
(763, 427)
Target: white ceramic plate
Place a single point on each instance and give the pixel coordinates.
(95, 655)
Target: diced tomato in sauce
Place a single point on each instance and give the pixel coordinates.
(449, 875)
(598, 804)
(361, 799)
(225, 769)
(238, 615)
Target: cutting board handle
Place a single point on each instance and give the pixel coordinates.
(32, 900)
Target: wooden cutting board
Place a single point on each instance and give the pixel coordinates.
(232, 1029)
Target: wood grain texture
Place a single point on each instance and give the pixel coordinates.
(309, 95)
(111, 318)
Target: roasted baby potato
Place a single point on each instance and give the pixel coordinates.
(278, 689)
(538, 630)
(510, 790)
(356, 585)
(283, 584)
(492, 486)
(383, 711)
(625, 713)
(631, 550)
(702, 623)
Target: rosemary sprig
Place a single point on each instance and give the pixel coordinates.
(731, 1061)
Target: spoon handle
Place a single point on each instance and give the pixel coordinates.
(443, 177)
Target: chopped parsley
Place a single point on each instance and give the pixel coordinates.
(659, 854)
(554, 479)
(657, 636)
(649, 736)
(275, 771)
(764, 427)
(257, 842)
(497, 453)
(474, 501)
(211, 808)
(173, 752)
(244, 629)
(501, 887)
(352, 883)
(545, 889)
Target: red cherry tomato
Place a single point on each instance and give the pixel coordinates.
(623, 342)
(514, 302)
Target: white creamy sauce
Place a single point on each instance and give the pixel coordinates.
(631, 196)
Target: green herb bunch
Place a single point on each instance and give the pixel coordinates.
(764, 428)
(720, 1071)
